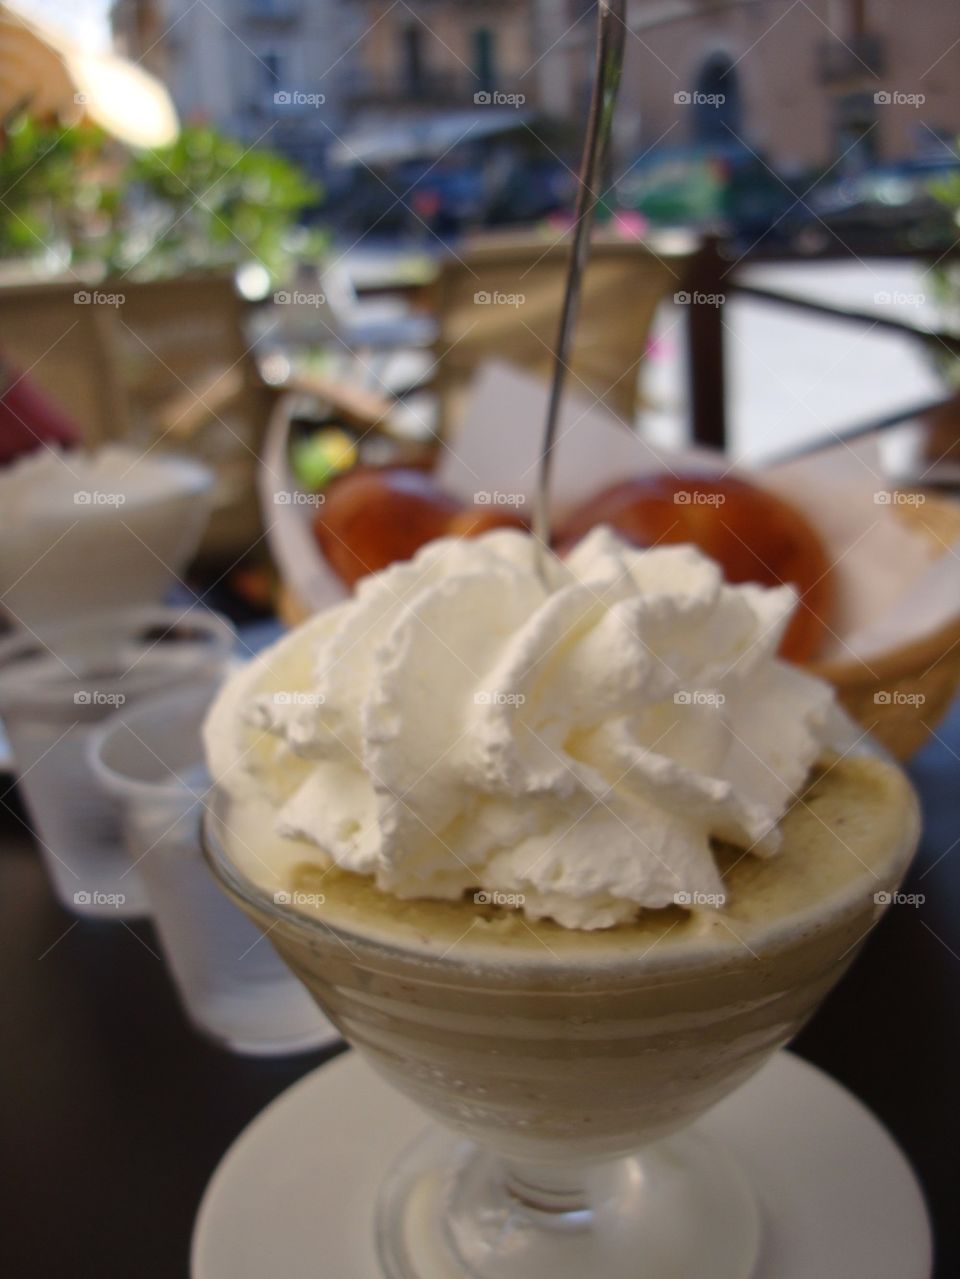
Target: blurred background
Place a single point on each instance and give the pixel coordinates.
(252, 248)
(290, 196)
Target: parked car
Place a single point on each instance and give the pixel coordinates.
(721, 186)
(451, 179)
(884, 208)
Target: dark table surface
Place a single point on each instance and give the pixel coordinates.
(115, 1113)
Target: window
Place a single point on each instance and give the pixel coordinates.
(483, 59)
(413, 58)
(271, 65)
(717, 102)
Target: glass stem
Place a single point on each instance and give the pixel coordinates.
(546, 1188)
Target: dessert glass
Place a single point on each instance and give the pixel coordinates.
(566, 1080)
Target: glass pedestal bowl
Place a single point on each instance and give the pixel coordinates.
(565, 1082)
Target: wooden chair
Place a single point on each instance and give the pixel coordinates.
(165, 365)
(66, 347)
(500, 296)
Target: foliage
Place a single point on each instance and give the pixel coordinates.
(56, 190)
(207, 201)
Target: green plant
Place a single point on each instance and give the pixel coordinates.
(207, 201)
(58, 192)
(210, 200)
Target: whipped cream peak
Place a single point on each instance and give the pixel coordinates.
(456, 727)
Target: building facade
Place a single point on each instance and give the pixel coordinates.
(270, 70)
(803, 81)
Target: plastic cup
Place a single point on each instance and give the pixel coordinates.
(233, 986)
(53, 694)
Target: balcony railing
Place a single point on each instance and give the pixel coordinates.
(435, 88)
(280, 13)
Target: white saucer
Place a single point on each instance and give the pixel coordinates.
(294, 1195)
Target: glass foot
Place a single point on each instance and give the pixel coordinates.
(679, 1209)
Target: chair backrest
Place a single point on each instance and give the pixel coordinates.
(65, 344)
(166, 365)
(501, 294)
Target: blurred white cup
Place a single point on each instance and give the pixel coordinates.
(232, 985)
(53, 692)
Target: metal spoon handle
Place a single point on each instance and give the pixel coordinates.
(609, 61)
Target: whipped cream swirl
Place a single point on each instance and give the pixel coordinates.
(456, 728)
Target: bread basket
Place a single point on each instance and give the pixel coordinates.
(899, 695)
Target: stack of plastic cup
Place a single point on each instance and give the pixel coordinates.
(54, 692)
(232, 985)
